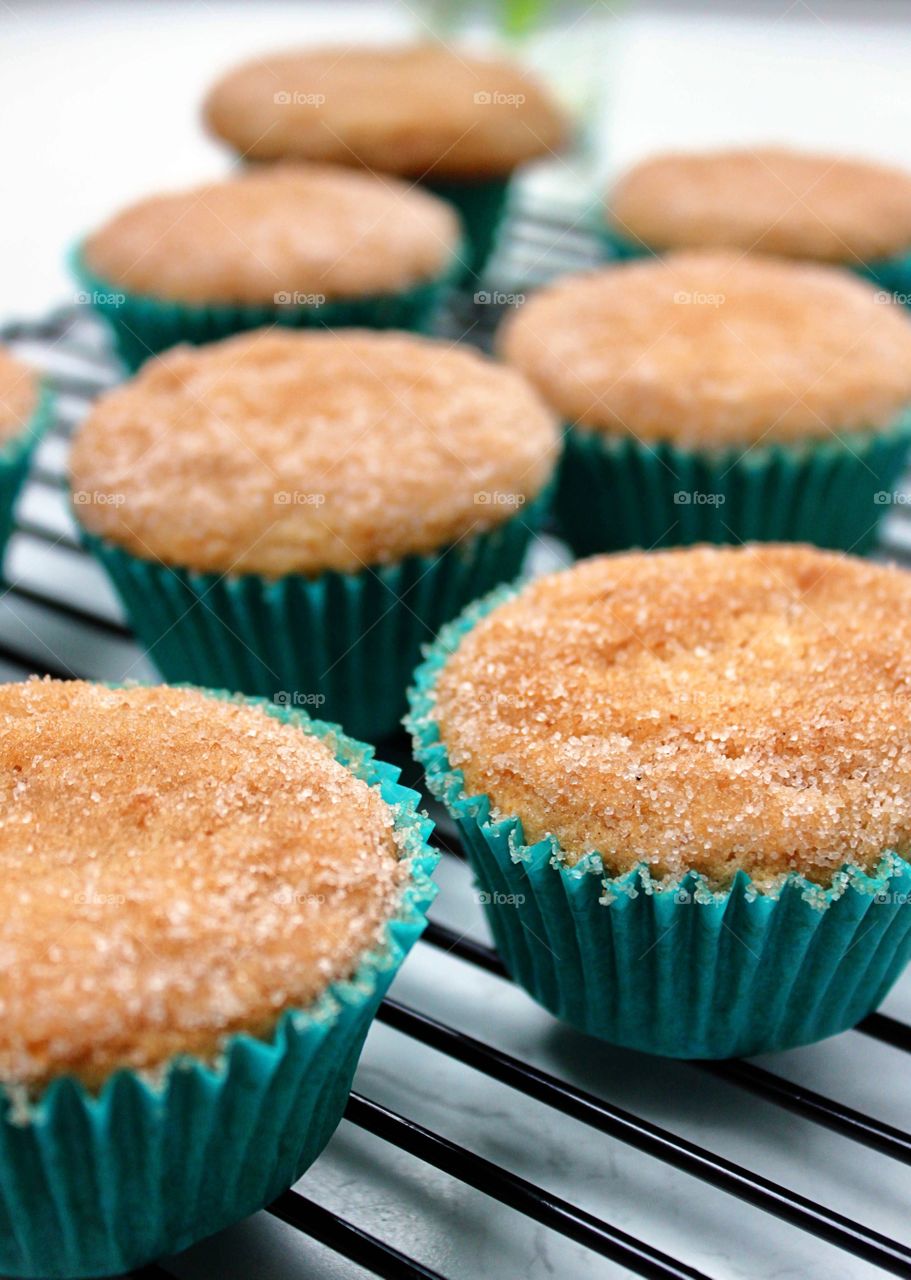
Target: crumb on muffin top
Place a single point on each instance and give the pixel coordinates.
(18, 394)
(714, 348)
(771, 199)
(297, 452)
(266, 235)
(707, 709)
(176, 868)
(422, 110)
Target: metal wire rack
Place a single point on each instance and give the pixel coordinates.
(570, 1158)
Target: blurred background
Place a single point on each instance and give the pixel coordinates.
(100, 100)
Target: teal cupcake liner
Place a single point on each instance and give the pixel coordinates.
(616, 492)
(481, 206)
(143, 325)
(669, 968)
(343, 643)
(619, 248)
(15, 460)
(99, 1183)
(892, 275)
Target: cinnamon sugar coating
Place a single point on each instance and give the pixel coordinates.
(18, 394)
(418, 110)
(713, 349)
(705, 709)
(296, 452)
(263, 235)
(176, 868)
(772, 199)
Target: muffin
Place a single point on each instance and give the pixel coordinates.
(711, 396)
(459, 124)
(192, 959)
(825, 208)
(684, 782)
(297, 245)
(294, 514)
(24, 413)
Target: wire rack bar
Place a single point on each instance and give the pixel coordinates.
(516, 1192)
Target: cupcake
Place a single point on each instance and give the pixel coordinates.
(459, 124)
(684, 783)
(715, 397)
(192, 959)
(298, 245)
(24, 413)
(826, 208)
(295, 514)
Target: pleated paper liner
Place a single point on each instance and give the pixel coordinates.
(616, 491)
(481, 206)
(143, 325)
(15, 460)
(96, 1184)
(675, 969)
(343, 644)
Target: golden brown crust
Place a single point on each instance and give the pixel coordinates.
(288, 452)
(18, 394)
(417, 110)
(704, 709)
(176, 868)
(768, 199)
(265, 235)
(708, 349)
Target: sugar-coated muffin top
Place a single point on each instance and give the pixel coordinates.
(266, 235)
(18, 394)
(714, 348)
(296, 452)
(423, 110)
(772, 199)
(176, 868)
(706, 709)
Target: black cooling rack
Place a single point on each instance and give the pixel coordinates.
(720, 1148)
